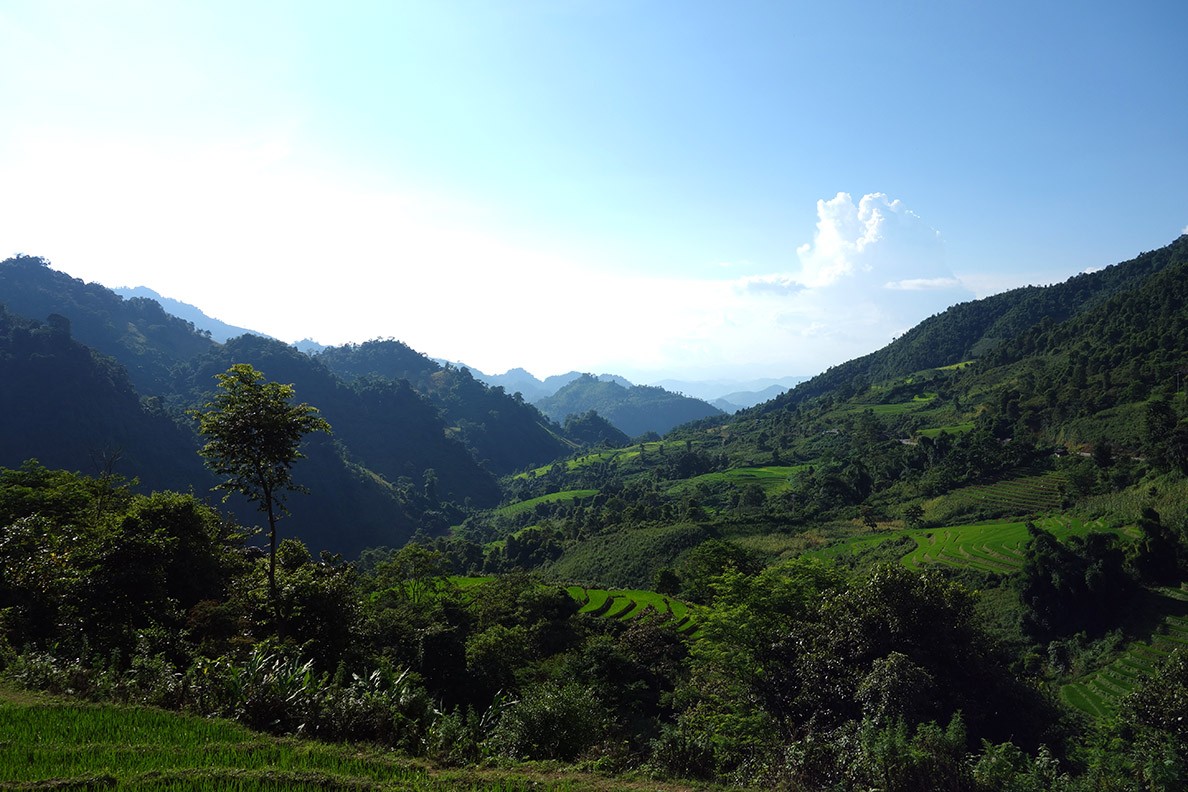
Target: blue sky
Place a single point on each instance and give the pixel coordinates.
(655, 189)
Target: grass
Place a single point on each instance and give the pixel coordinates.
(67, 745)
(48, 743)
(567, 496)
(914, 404)
(772, 478)
(986, 546)
(937, 431)
(991, 546)
(617, 456)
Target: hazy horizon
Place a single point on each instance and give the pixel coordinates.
(664, 190)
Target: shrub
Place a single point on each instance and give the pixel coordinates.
(550, 721)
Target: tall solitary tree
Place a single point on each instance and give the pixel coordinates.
(253, 434)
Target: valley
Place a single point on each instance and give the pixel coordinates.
(956, 562)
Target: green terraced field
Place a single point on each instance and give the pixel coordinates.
(1018, 496)
(897, 408)
(613, 603)
(992, 546)
(989, 546)
(568, 496)
(936, 431)
(632, 603)
(618, 456)
(1099, 693)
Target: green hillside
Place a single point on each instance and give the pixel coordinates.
(634, 411)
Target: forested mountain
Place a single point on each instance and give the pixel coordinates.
(384, 425)
(635, 410)
(403, 457)
(69, 406)
(740, 400)
(970, 329)
(137, 332)
(207, 325)
(503, 431)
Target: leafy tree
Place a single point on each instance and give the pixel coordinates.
(1156, 554)
(1076, 585)
(253, 434)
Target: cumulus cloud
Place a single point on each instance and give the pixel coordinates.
(873, 268)
(876, 243)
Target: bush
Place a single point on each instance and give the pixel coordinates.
(550, 721)
(266, 691)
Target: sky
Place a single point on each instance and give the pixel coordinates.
(657, 189)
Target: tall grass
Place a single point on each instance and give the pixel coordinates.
(53, 744)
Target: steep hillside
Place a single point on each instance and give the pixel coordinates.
(1075, 399)
(70, 407)
(383, 424)
(974, 328)
(634, 411)
(503, 432)
(138, 333)
(214, 328)
(79, 411)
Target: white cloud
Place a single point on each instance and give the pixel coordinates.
(844, 231)
(872, 268)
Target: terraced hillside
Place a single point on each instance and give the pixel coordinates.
(632, 603)
(1027, 495)
(622, 604)
(1099, 693)
(991, 547)
(987, 546)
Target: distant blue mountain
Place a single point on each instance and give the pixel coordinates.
(219, 331)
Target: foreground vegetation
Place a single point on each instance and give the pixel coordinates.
(57, 744)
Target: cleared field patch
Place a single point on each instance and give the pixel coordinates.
(772, 478)
(914, 404)
(988, 546)
(955, 429)
(615, 456)
(1027, 495)
(567, 496)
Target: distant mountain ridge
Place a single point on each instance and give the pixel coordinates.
(215, 328)
(101, 384)
(735, 394)
(635, 410)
